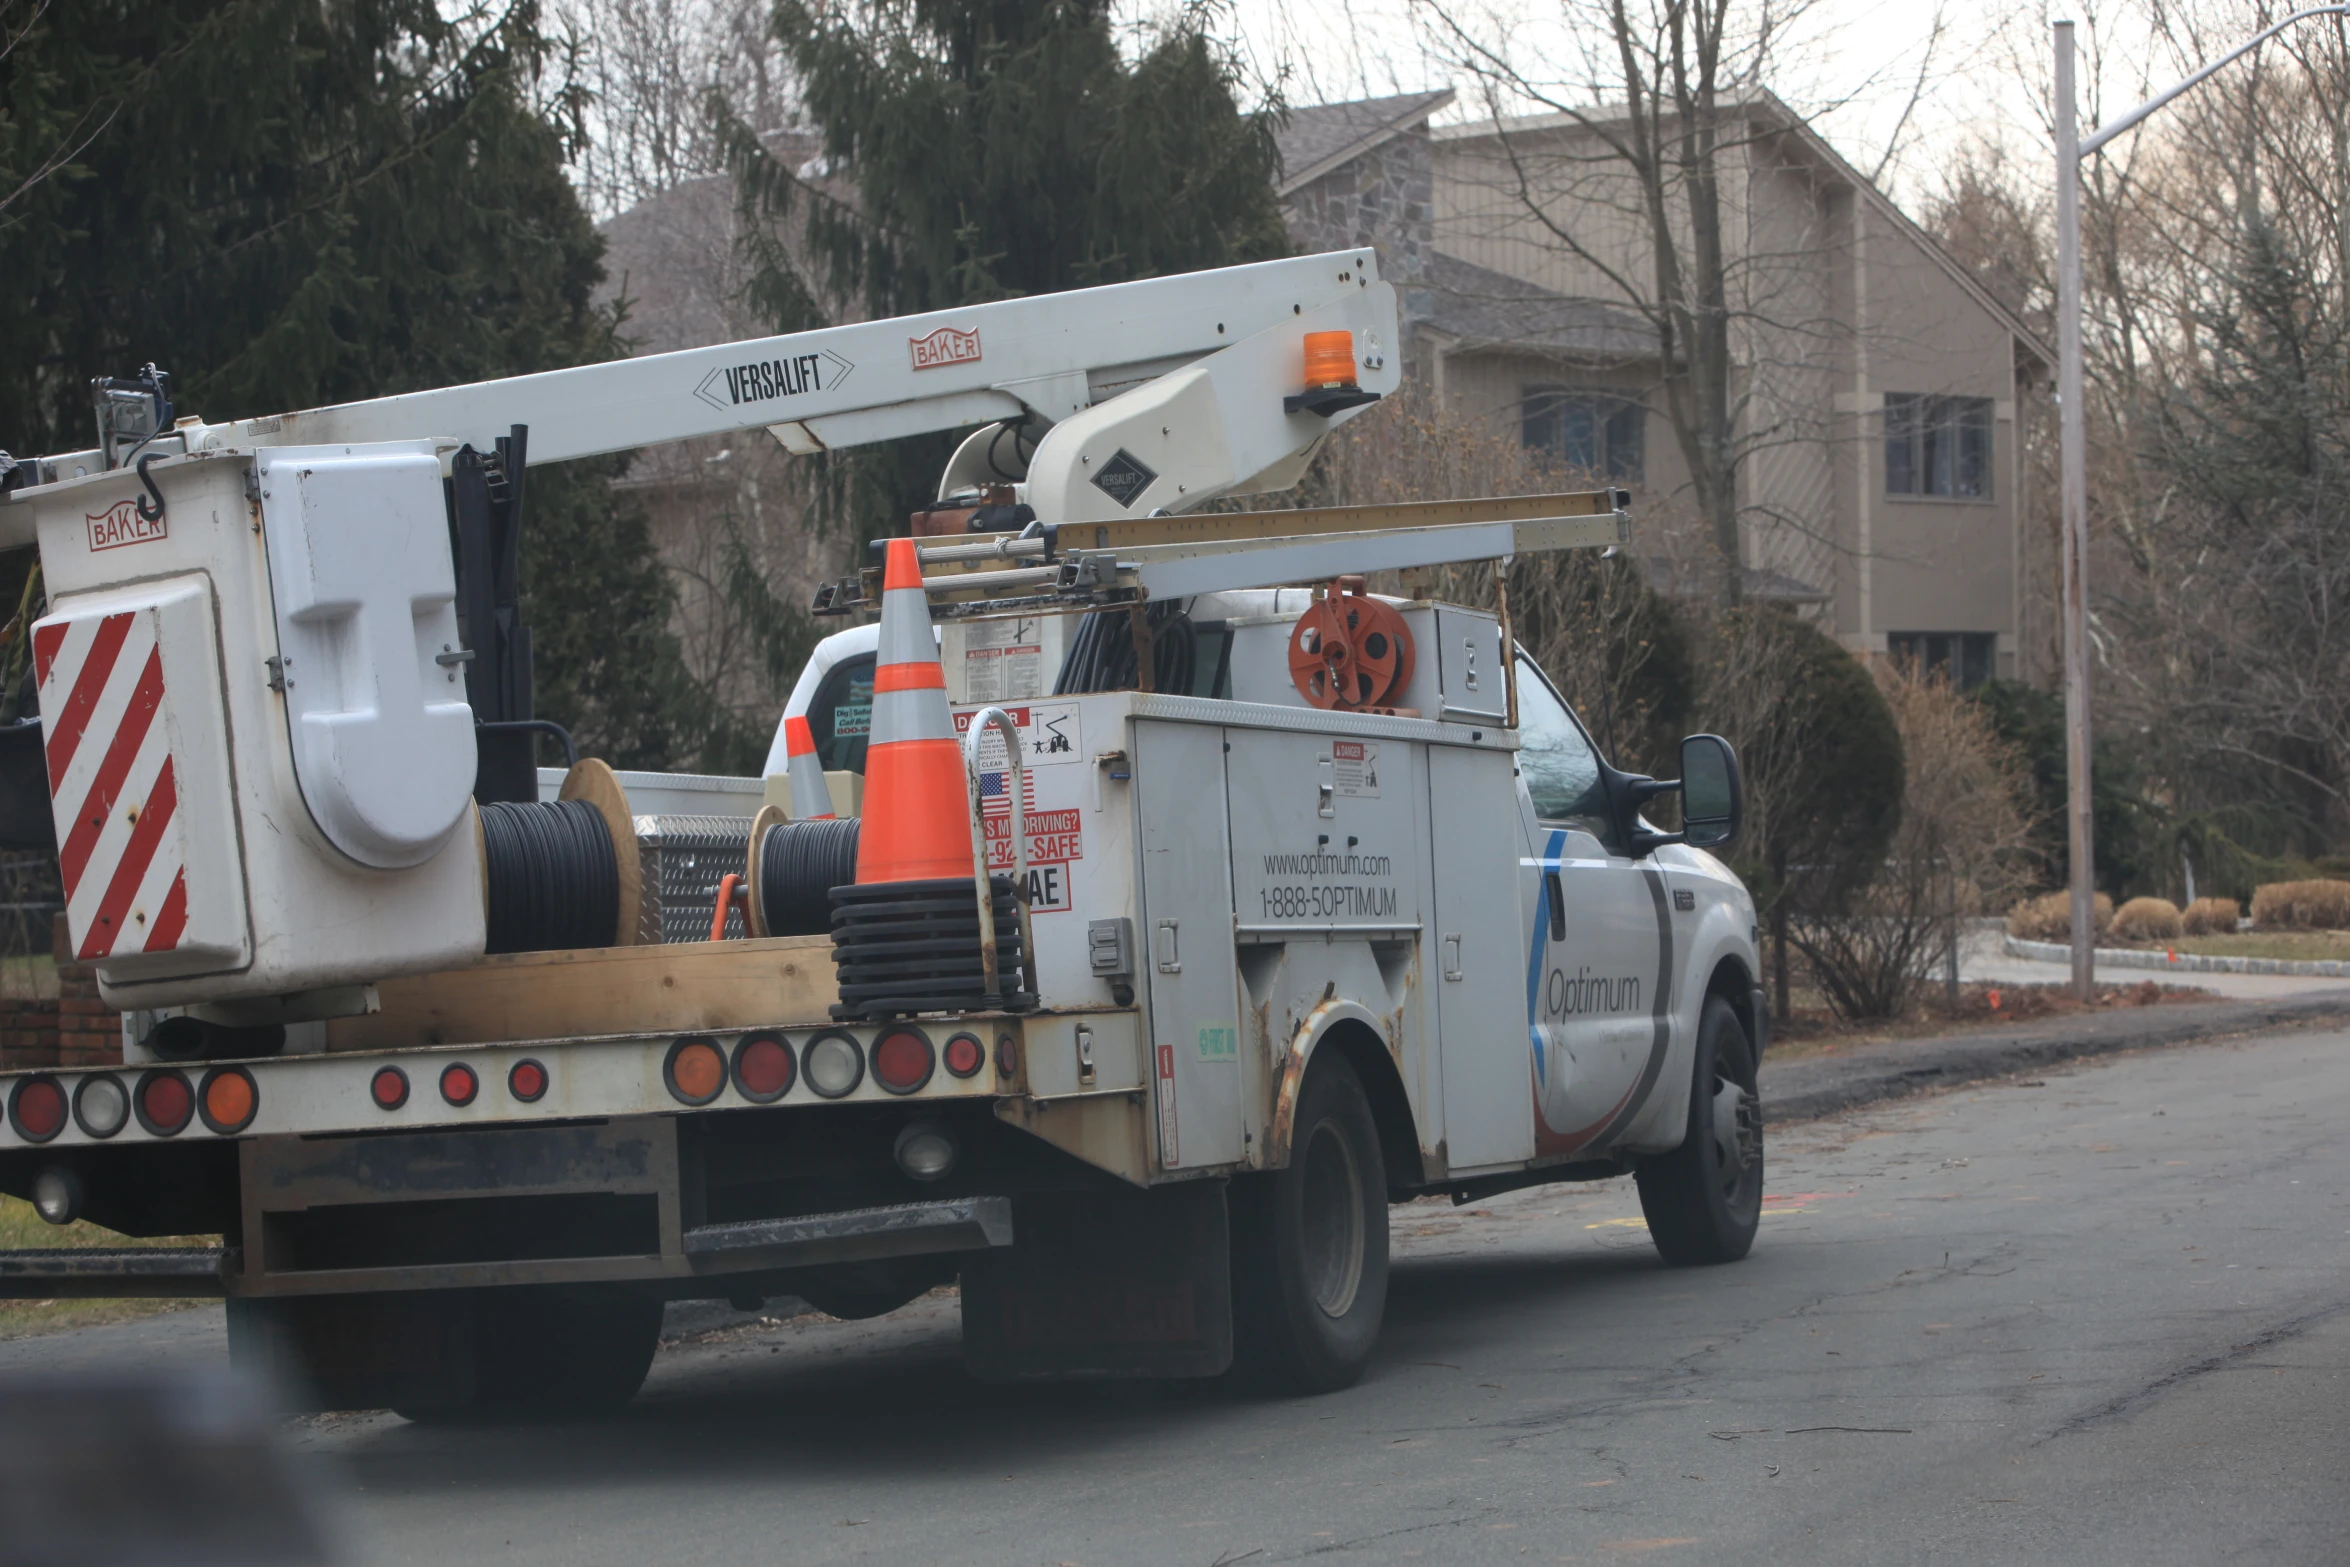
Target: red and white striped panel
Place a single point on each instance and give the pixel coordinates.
(120, 844)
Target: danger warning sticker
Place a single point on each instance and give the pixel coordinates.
(1049, 734)
(1354, 769)
(1170, 1153)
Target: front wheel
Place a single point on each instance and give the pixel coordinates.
(1703, 1201)
(1309, 1244)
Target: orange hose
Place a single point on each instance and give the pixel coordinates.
(726, 895)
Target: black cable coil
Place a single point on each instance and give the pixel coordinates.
(554, 879)
(913, 946)
(1101, 654)
(799, 865)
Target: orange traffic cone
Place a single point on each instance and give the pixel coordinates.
(917, 825)
(811, 796)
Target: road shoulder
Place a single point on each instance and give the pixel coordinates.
(1809, 1087)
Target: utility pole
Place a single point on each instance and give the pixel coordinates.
(2073, 484)
(2073, 470)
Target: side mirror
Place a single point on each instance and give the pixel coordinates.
(1713, 796)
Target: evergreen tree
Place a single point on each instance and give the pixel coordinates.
(288, 204)
(997, 148)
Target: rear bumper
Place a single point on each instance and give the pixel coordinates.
(960, 1224)
(117, 1273)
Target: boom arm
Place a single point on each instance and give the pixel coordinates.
(1045, 358)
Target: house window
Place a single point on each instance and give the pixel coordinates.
(1961, 657)
(1937, 445)
(1595, 431)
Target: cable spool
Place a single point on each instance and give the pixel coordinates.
(904, 947)
(795, 866)
(560, 875)
(554, 878)
(1350, 651)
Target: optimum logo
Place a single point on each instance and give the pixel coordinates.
(1123, 478)
(765, 380)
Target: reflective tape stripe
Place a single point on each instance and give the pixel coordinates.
(909, 677)
(906, 637)
(908, 715)
(811, 796)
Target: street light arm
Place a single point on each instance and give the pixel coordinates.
(2106, 133)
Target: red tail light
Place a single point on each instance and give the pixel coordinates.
(165, 1102)
(965, 1055)
(37, 1108)
(763, 1067)
(527, 1082)
(388, 1088)
(902, 1060)
(459, 1084)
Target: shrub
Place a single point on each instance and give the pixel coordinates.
(1960, 847)
(2302, 905)
(2049, 917)
(2210, 917)
(2147, 919)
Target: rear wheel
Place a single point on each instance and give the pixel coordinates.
(1703, 1200)
(552, 1350)
(1309, 1244)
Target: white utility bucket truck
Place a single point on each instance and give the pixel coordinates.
(1283, 901)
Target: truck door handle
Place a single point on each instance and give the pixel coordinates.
(1452, 955)
(1170, 958)
(1328, 788)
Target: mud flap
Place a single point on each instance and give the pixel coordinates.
(411, 1349)
(1104, 1284)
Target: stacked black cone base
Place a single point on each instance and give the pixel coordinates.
(908, 947)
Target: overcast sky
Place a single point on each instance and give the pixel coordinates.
(1852, 65)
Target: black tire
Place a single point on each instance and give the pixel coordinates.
(1309, 1245)
(555, 1351)
(1703, 1200)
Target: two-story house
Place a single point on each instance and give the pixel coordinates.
(1881, 389)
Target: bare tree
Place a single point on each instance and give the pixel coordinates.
(2217, 331)
(651, 68)
(1635, 164)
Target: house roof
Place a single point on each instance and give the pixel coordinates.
(1323, 136)
(1478, 307)
(1772, 114)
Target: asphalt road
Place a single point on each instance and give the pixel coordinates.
(2101, 1315)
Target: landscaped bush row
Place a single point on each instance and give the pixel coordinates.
(2147, 919)
(2283, 905)
(2301, 905)
(2211, 917)
(2049, 917)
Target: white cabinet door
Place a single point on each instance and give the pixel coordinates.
(1185, 944)
(1475, 957)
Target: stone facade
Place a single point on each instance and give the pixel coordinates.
(1386, 198)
